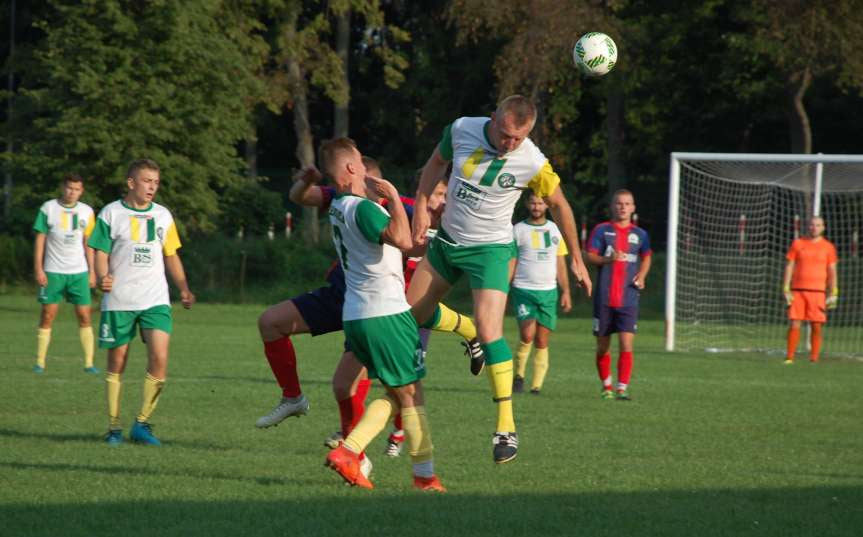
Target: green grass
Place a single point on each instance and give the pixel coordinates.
(729, 444)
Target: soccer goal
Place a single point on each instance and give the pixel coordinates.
(731, 220)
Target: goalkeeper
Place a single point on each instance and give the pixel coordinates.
(810, 272)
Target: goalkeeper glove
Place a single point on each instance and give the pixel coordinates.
(789, 297)
(833, 299)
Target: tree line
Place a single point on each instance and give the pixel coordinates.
(229, 96)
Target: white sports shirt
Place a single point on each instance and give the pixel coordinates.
(137, 241)
(483, 189)
(65, 229)
(538, 249)
(374, 279)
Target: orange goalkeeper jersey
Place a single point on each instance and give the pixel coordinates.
(811, 260)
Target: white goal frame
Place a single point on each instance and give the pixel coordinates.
(674, 210)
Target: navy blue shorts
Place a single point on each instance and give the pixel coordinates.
(608, 320)
(321, 309)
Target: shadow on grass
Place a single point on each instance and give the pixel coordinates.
(98, 438)
(829, 511)
(125, 471)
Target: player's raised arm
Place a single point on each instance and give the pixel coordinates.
(305, 190)
(398, 231)
(434, 169)
(563, 217)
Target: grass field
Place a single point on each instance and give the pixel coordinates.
(729, 444)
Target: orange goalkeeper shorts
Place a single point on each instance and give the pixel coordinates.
(808, 306)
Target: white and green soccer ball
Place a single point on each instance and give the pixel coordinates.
(595, 54)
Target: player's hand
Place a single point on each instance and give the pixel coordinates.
(187, 298)
(309, 175)
(565, 302)
(382, 187)
(638, 282)
(41, 278)
(582, 277)
(420, 226)
(106, 283)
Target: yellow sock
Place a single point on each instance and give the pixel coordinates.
(86, 335)
(417, 434)
(43, 339)
(521, 356)
(374, 420)
(500, 375)
(540, 368)
(452, 321)
(152, 391)
(113, 385)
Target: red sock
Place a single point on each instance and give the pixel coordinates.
(397, 422)
(793, 340)
(603, 366)
(624, 367)
(352, 408)
(815, 341)
(283, 361)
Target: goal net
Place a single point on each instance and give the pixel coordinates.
(732, 218)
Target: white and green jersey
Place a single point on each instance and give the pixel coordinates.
(483, 189)
(374, 279)
(539, 246)
(137, 241)
(65, 229)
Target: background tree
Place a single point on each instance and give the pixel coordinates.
(117, 80)
(805, 40)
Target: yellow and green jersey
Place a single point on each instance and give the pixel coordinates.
(65, 230)
(539, 246)
(137, 242)
(483, 187)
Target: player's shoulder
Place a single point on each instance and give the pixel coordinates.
(469, 129)
(552, 226)
(112, 208)
(49, 205)
(603, 226)
(86, 208)
(639, 230)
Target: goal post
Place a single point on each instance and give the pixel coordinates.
(731, 219)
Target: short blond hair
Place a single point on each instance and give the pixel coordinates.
(332, 151)
(519, 108)
(142, 164)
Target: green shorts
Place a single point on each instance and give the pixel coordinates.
(389, 346)
(487, 265)
(539, 305)
(117, 328)
(76, 288)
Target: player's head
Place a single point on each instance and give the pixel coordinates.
(142, 179)
(437, 200)
(342, 162)
(622, 206)
(816, 227)
(536, 206)
(73, 187)
(511, 123)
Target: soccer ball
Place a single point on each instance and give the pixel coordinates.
(595, 54)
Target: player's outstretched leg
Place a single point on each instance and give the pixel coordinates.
(276, 325)
(445, 319)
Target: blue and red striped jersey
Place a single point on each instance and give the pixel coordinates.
(614, 285)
